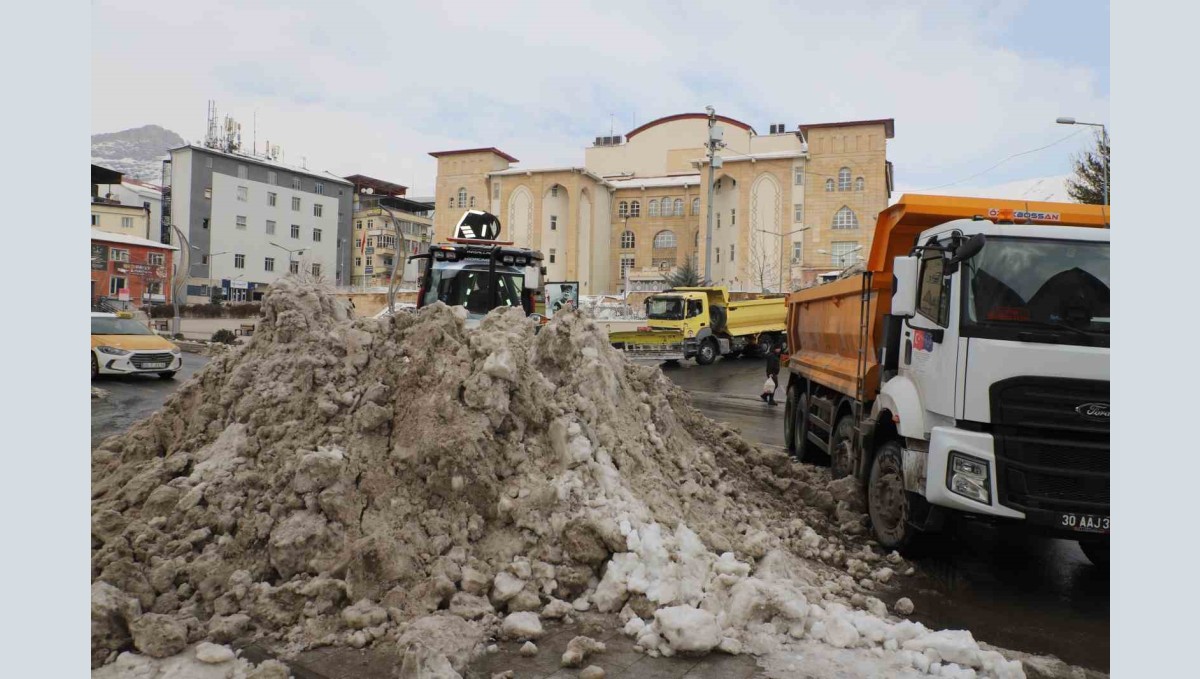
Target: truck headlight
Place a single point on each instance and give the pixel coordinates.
(113, 351)
(970, 477)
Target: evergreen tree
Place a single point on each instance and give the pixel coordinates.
(1087, 186)
(685, 276)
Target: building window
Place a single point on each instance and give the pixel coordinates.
(239, 261)
(472, 202)
(731, 257)
(358, 225)
(270, 226)
(695, 206)
(242, 172)
(240, 220)
(296, 183)
(318, 209)
(626, 265)
(358, 243)
(370, 261)
(718, 251)
(627, 240)
(664, 239)
(732, 216)
(316, 269)
(320, 188)
(798, 176)
(652, 208)
(316, 235)
(370, 242)
(841, 252)
(718, 220)
(859, 184)
(828, 185)
(553, 252)
(272, 199)
(294, 266)
(272, 178)
(95, 220)
(242, 193)
(358, 261)
(208, 162)
(118, 255)
(845, 219)
(554, 222)
(269, 264)
(678, 207)
(208, 192)
(295, 230)
(204, 223)
(622, 210)
(370, 224)
(127, 222)
(844, 179)
(462, 197)
(155, 259)
(797, 253)
(495, 190)
(115, 285)
(296, 204)
(554, 191)
(204, 260)
(635, 209)
(798, 212)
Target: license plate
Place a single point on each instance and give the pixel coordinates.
(151, 366)
(1084, 523)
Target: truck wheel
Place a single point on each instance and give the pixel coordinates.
(888, 504)
(802, 449)
(766, 344)
(1096, 552)
(841, 451)
(707, 352)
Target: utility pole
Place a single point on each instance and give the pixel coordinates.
(715, 134)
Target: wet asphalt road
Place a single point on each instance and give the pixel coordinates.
(1030, 594)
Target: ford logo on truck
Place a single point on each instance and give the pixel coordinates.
(1093, 411)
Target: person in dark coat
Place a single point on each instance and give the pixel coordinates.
(773, 373)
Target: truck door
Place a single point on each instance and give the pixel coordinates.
(929, 344)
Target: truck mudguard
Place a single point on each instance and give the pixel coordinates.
(900, 396)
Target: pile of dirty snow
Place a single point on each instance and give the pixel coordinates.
(406, 481)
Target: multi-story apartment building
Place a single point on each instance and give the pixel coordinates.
(250, 220)
(134, 192)
(112, 210)
(388, 227)
(788, 206)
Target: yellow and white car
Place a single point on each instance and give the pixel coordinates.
(123, 346)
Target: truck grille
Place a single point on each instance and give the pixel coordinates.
(1052, 446)
(139, 360)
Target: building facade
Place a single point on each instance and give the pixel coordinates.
(388, 228)
(130, 270)
(134, 192)
(250, 220)
(788, 206)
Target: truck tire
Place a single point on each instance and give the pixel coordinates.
(707, 353)
(802, 449)
(841, 448)
(1096, 552)
(888, 504)
(766, 343)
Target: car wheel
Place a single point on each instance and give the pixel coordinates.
(841, 450)
(708, 352)
(168, 375)
(1096, 552)
(888, 503)
(95, 366)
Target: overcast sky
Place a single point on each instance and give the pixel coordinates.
(371, 88)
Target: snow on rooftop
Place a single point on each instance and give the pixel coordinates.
(97, 234)
(323, 174)
(655, 182)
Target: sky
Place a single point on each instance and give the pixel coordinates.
(371, 88)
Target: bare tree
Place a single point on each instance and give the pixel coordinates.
(762, 264)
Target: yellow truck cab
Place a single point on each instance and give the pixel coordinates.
(123, 346)
(705, 323)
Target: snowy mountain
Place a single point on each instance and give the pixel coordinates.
(137, 152)
(1053, 189)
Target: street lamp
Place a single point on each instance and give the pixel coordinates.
(207, 262)
(1064, 120)
(784, 235)
(300, 250)
(848, 252)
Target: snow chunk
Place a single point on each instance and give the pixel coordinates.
(213, 654)
(522, 625)
(687, 629)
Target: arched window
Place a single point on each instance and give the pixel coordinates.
(554, 191)
(635, 209)
(845, 219)
(652, 208)
(859, 184)
(626, 240)
(664, 239)
(678, 207)
(622, 209)
(844, 179)
(462, 197)
(828, 184)
(695, 206)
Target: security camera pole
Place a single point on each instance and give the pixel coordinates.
(715, 134)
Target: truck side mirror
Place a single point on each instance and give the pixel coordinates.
(904, 286)
(968, 249)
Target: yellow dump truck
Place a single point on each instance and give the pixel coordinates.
(704, 323)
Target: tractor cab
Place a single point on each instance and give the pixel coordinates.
(476, 271)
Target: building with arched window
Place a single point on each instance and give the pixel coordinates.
(829, 179)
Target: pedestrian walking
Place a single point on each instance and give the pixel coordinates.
(772, 382)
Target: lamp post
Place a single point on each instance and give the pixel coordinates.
(300, 250)
(851, 251)
(207, 263)
(1103, 133)
(784, 235)
(715, 134)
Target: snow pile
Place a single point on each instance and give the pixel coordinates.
(408, 482)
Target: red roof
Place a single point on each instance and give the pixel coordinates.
(889, 125)
(379, 186)
(492, 149)
(688, 116)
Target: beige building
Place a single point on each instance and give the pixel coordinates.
(788, 206)
(113, 217)
(387, 227)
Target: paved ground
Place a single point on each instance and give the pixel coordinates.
(1034, 595)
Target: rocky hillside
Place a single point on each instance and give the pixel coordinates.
(137, 152)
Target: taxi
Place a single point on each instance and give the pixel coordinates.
(123, 346)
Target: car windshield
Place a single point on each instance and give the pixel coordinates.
(107, 325)
(468, 288)
(665, 308)
(1040, 283)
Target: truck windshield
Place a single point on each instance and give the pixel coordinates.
(665, 308)
(1022, 285)
(468, 288)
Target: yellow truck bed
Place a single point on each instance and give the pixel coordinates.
(754, 316)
